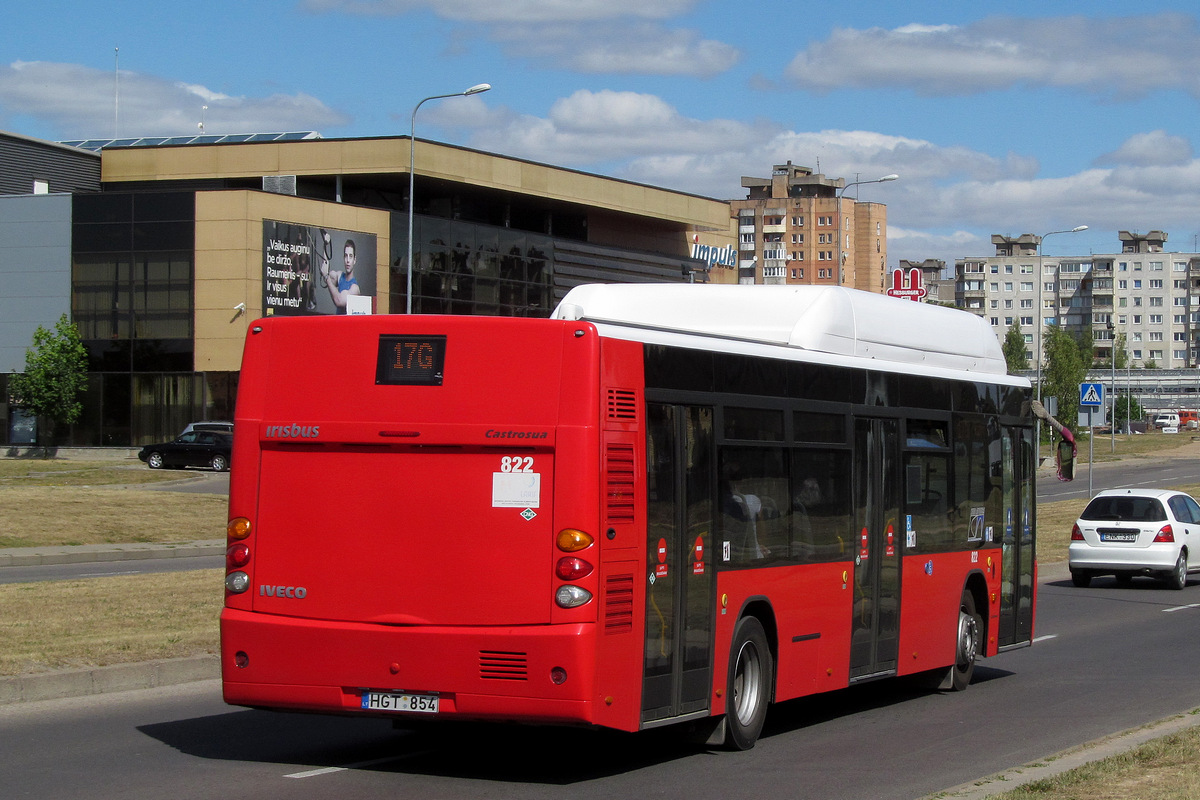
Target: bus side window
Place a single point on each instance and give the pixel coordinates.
(820, 506)
(753, 495)
(927, 495)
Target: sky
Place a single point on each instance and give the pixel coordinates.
(1021, 117)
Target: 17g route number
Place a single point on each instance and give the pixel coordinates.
(516, 464)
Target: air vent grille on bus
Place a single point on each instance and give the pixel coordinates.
(622, 405)
(619, 472)
(618, 604)
(500, 665)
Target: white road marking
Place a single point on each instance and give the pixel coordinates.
(1046, 638)
(312, 773)
(1181, 608)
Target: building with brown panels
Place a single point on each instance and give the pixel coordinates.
(797, 227)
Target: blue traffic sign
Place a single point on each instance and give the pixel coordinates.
(1091, 394)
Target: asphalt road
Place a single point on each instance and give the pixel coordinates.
(1109, 658)
(1142, 472)
(100, 569)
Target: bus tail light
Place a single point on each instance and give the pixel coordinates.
(1165, 534)
(237, 582)
(1076, 534)
(238, 528)
(238, 555)
(570, 568)
(571, 540)
(571, 596)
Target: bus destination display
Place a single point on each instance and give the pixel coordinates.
(410, 360)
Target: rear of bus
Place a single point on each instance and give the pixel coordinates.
(413, 508)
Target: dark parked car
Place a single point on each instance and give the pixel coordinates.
(192, 449)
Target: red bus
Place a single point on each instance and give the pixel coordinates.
(665, 504)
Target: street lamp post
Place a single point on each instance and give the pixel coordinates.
(840, 272)
(1112, 339)
(1040, 323)
(476, 89)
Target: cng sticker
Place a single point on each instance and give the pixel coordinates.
(528, 514)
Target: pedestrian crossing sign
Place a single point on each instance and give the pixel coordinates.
(1091, 394)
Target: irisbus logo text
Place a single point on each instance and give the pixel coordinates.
(293, 431)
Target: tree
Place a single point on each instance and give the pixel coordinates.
(1014, 349)
(1127, 407)
(54, 379)
(1065, 369)
(1086, 342)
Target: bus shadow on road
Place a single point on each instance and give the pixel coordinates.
(473, 751)
(805, 712)
(506, 753)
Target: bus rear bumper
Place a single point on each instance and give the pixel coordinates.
(481, 673)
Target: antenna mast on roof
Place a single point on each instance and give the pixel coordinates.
(116, 91)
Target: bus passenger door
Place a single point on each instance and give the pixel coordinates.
(1016, 537)
(876, 627)
(677, 671)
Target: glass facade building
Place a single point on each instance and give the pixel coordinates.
(132, 275)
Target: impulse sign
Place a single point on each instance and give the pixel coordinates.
(410, 360)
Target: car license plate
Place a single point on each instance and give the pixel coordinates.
(1118, 537)
(389, 701)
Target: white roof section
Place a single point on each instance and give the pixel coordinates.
(897, 334)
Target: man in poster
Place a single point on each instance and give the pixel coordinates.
(341, 284)
(297, 279)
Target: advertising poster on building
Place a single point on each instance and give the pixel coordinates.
(312, 270)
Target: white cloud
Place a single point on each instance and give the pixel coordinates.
(612, 48)
(81, 102)
(1155, 148)
(1117, 57)
(588, 129)
(522, 11)
(594, 37)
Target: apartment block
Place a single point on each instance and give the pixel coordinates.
(796, 227)
(1142, 290)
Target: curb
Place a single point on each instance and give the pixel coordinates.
(102, 680)
(1066, 760)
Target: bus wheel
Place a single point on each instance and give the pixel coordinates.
(749, 687)
(970, 634)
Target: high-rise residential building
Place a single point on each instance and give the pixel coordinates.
(938, 288)
(796, 226)
(1145, 292)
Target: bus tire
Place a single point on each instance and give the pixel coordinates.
(967, 643)
(748, 690)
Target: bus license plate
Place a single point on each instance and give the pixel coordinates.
(387, 701)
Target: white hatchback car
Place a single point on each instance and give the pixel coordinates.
(1128, 532)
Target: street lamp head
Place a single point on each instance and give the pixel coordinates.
(1079, 228)
(887, 178)
(478, 88)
